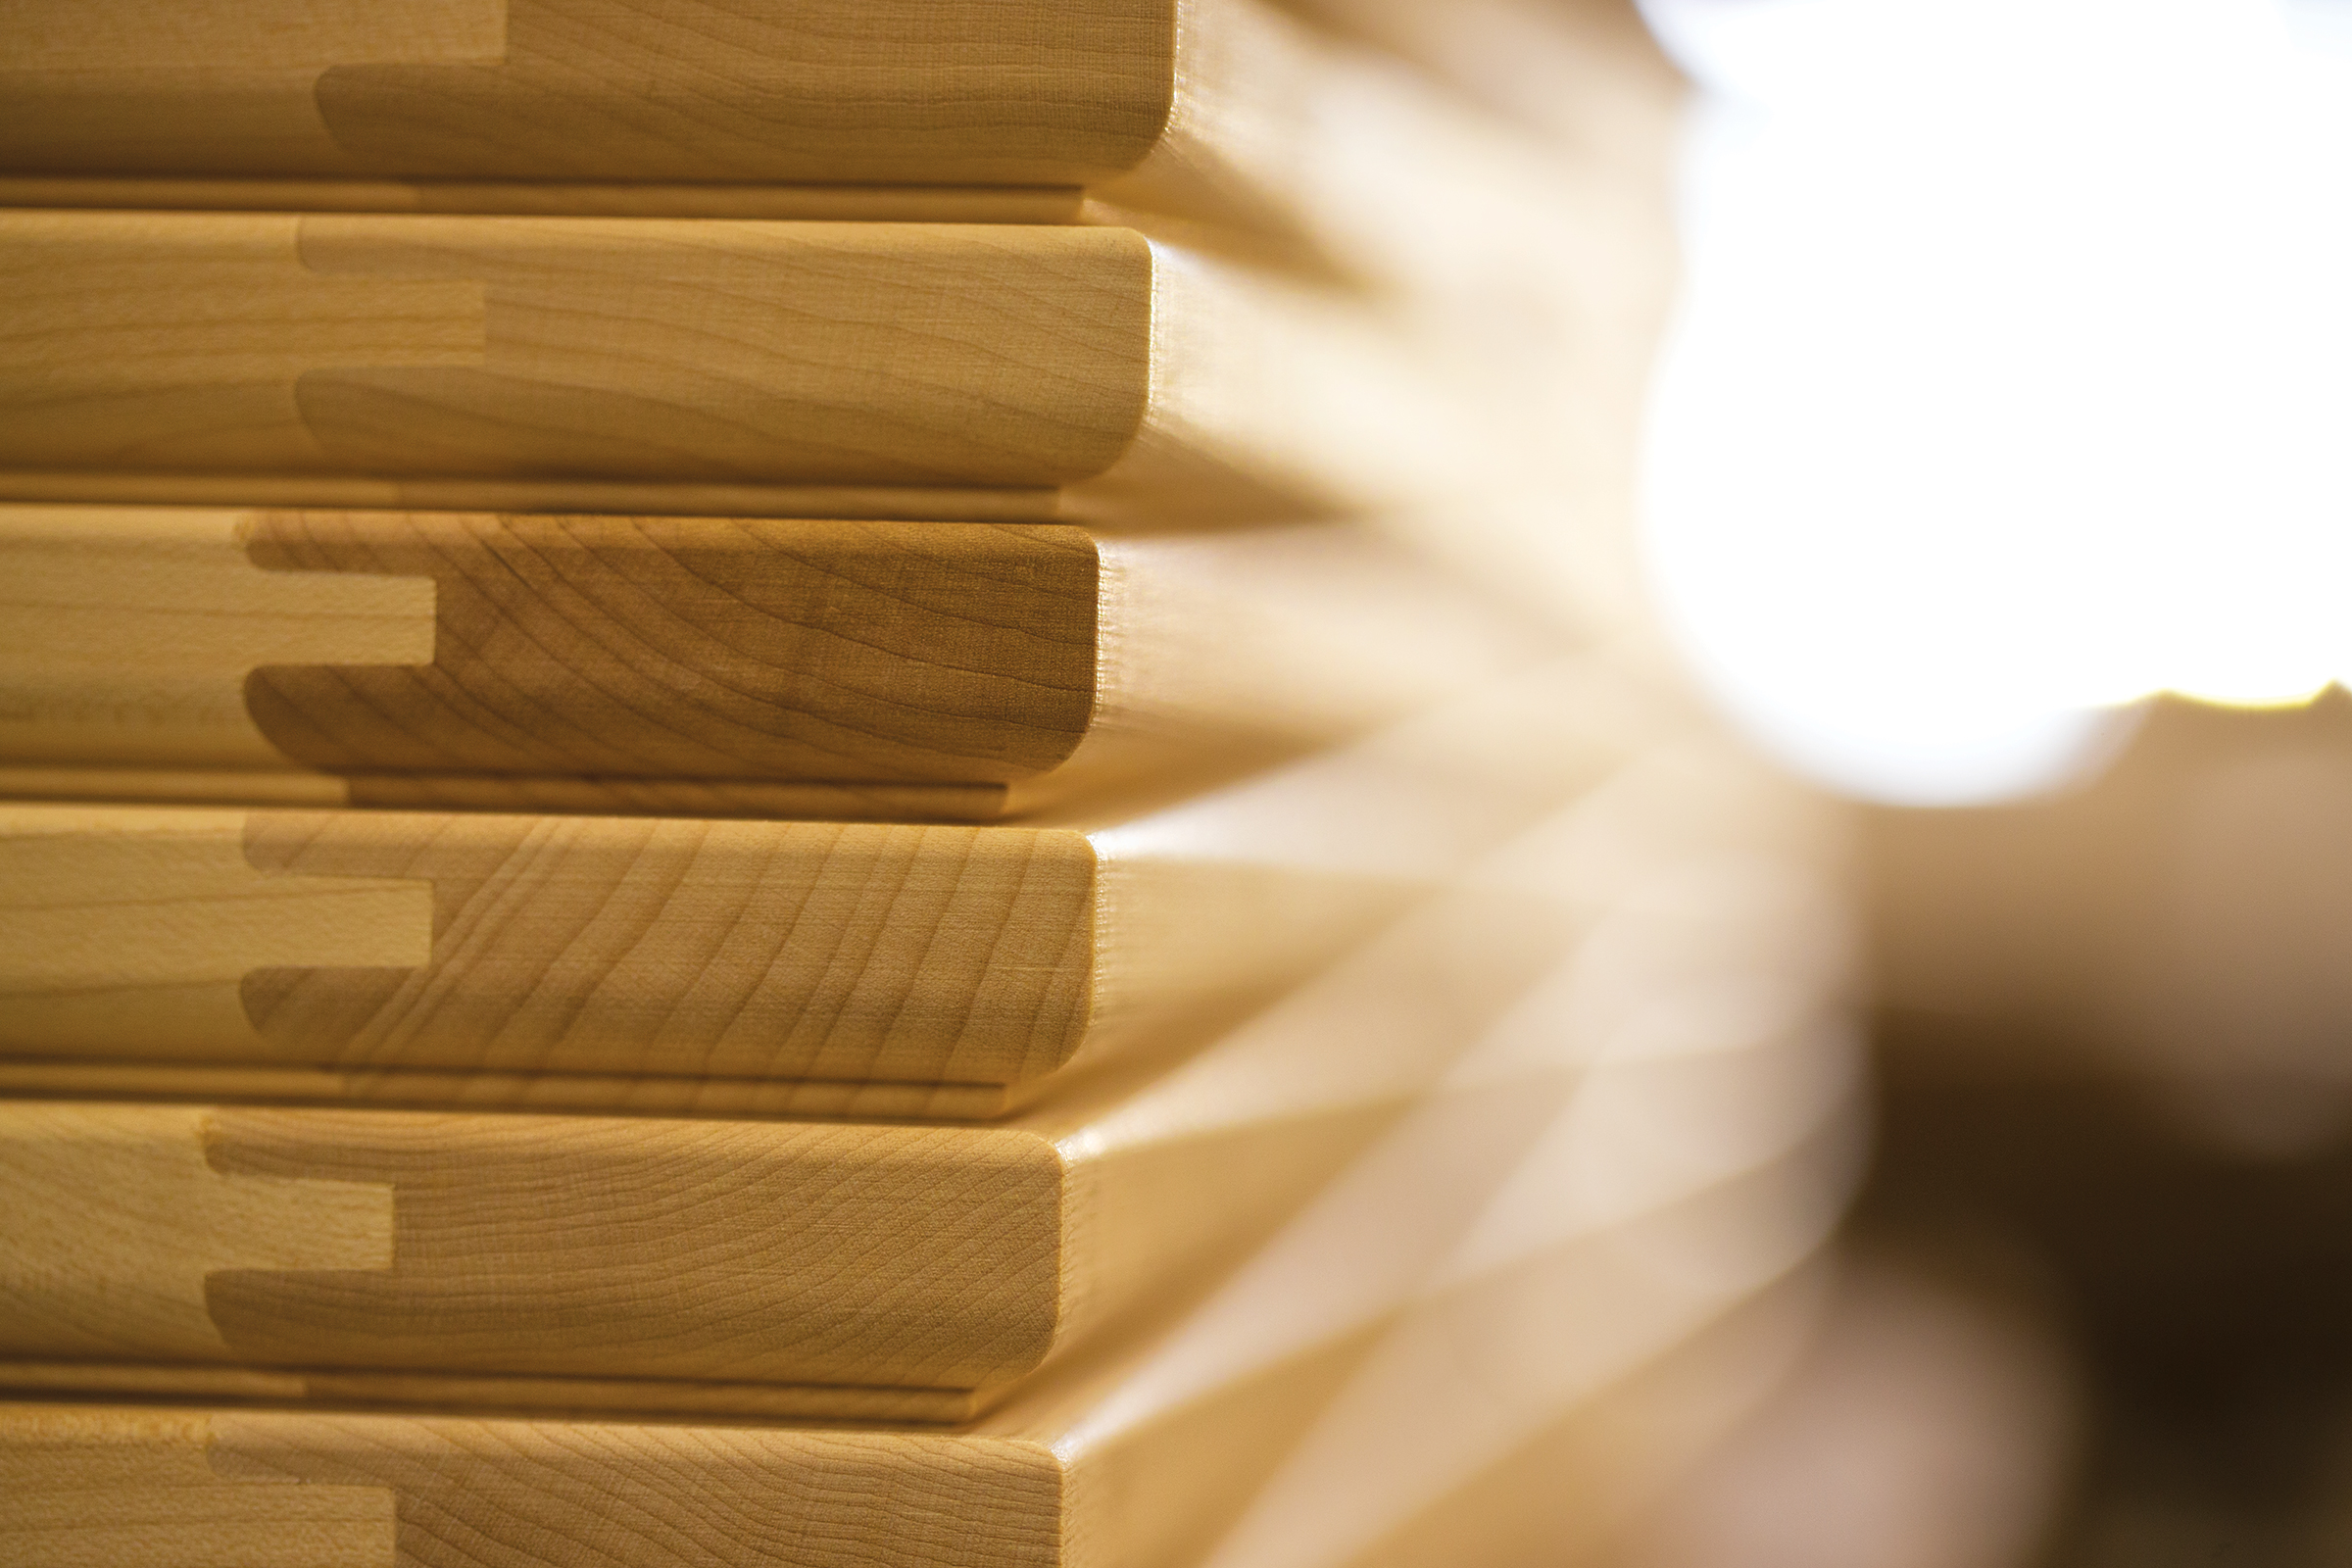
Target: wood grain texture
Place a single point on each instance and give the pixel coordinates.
(1271, 132)
(722, 1252)
(257, 1490)
(698, 1266)
(1539, 1011)
(1510, 225)
(742, 1269)
(1074, 1488)
(1672, 799)
(1652, 1134)
(492, 350)
(661, 648)
(1225, 113)
(356, 941)
(892, 91)
(1154, 1458)
(595, 943)
(610, 348)
(616, 664)
(1618, 1012)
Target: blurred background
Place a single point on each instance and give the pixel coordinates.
(1998, 478)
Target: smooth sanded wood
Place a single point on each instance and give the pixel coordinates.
(869, 353)
(1497, 1074)
(159, 1486)
(705, 1253)
(1148, 1460)
(1299, 144)
(1019, 92)
(483, 659)
(851, 1270)
(1223, 109)
(165, 1489)
(374, 941)
(775, 355)
(1529, 266)
(1605, 1169)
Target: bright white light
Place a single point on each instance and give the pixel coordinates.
(2013, 378)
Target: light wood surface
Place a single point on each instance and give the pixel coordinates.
(1227, 109)
(1522, 256)
(1611, 1011)
(1144, 1461)
(1649, 1135)
(614, 348)
(700, 351)
(1508, 222)
(1151, 1458)
(891, 91)
(525, 1250)
(362, 940)
(486, 658)
(1275, 135)
(163, 1487)
(696, 1266)
(765, 1268)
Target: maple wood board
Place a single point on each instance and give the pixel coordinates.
(512, 90)
(750, 1268)
(167, 1485)
(373, 943)
(836, 1271)
(1228, 111)
(1526, 275)
(1500, 193)
(714, 666)
(1143, 1459)
(1606, 1170)
(1528, 1035)
(784, 358)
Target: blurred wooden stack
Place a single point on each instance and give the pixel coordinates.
(733, 719)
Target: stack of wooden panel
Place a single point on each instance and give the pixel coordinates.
(845, 783)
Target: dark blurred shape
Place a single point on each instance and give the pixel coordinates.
(2207, 1286)
(2183, 925)
(2115, 1035)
